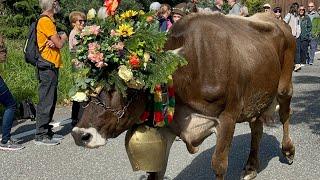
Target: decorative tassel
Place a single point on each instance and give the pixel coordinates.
(161, 118)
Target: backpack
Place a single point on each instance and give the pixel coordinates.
(27, 109)
(31, 51)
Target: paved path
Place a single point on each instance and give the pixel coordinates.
(68, 161)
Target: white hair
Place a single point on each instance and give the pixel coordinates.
(46, 4)
(155, 6)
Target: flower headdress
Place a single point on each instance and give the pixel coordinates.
(123, 51)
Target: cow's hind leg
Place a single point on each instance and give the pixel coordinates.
(284, 100)
(252, 166)
(284, 96)
(225, 132)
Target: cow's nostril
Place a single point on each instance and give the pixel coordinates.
(86, 137)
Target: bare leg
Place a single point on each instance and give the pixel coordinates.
(252, 166)
(225, 132)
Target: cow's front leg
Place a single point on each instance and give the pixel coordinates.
(225, 132)
(252, 166)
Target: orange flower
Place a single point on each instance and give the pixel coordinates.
(134, 61)
(149, 19)
(111, 6)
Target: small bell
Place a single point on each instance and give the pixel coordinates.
(146, 149)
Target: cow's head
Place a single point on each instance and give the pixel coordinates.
(106, 116)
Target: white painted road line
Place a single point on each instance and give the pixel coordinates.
(55, 124)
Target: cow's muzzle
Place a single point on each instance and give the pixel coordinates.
(81, 138)
(88, 137)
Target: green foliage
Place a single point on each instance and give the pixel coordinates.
(129, 4)
(255, 6)
(316, 27)
(205, 3)
(21, 77)
(166, 65)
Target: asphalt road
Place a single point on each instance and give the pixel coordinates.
(68, 161)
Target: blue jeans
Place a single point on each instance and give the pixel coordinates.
(312, 51)
(8, 101)
(302, 51)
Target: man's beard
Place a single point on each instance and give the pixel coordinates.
(56, 9)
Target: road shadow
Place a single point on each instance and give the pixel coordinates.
(64, 130)
(200, 168)
(307, 104)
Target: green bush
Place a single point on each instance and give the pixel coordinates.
(255, 6)
(21, 77)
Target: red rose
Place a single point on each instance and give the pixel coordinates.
(134, 61)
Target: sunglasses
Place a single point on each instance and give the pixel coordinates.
(176, 16)
(310, 6)
(266, 7)
(82, 21)
(302, 10)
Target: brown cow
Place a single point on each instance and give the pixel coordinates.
(238, 68)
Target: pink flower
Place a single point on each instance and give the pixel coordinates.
(118, 46)
(95, 57)
(95, 29)
(101, 64)
(93, 47)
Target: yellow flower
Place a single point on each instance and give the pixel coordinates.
(128, 14)
(125, 73)
(141, 12)
(91, 14)
(125, 30)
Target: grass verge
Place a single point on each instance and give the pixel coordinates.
(21, 79)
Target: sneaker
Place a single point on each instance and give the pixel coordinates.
(297, 67)
(11, 146)
(55, 136)
(311, 64)
(302, 65)
(46, 141)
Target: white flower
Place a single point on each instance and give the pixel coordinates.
(146, 57)
(80, 97)
(125, 73)
(91, 14)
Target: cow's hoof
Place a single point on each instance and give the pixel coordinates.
(248, 174)
(192, 149)
(289, 158)
(289, 154)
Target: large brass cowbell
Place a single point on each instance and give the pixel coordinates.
(146, 149)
